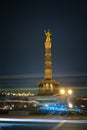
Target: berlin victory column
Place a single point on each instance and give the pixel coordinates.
(48, 86)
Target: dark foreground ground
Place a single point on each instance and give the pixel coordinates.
(44, 126)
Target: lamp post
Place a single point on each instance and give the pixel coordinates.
(67, 96)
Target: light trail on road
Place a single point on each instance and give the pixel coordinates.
(37, 120)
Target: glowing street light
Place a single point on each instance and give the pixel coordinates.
(62, 91)
(69, 91)
(70, 105)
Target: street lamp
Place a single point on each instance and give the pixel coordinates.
(69, 91)
(70, 105)
(62, 91)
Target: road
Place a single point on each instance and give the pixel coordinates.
(41, 124)
(44, 126)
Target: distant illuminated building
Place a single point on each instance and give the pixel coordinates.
(48, 86)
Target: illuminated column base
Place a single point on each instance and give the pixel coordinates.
(48, 87)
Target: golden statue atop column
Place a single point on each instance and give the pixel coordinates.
(48, 39)
(47, 34)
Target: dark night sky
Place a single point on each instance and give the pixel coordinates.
(22, 25)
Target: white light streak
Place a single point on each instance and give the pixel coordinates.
(40, 120)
